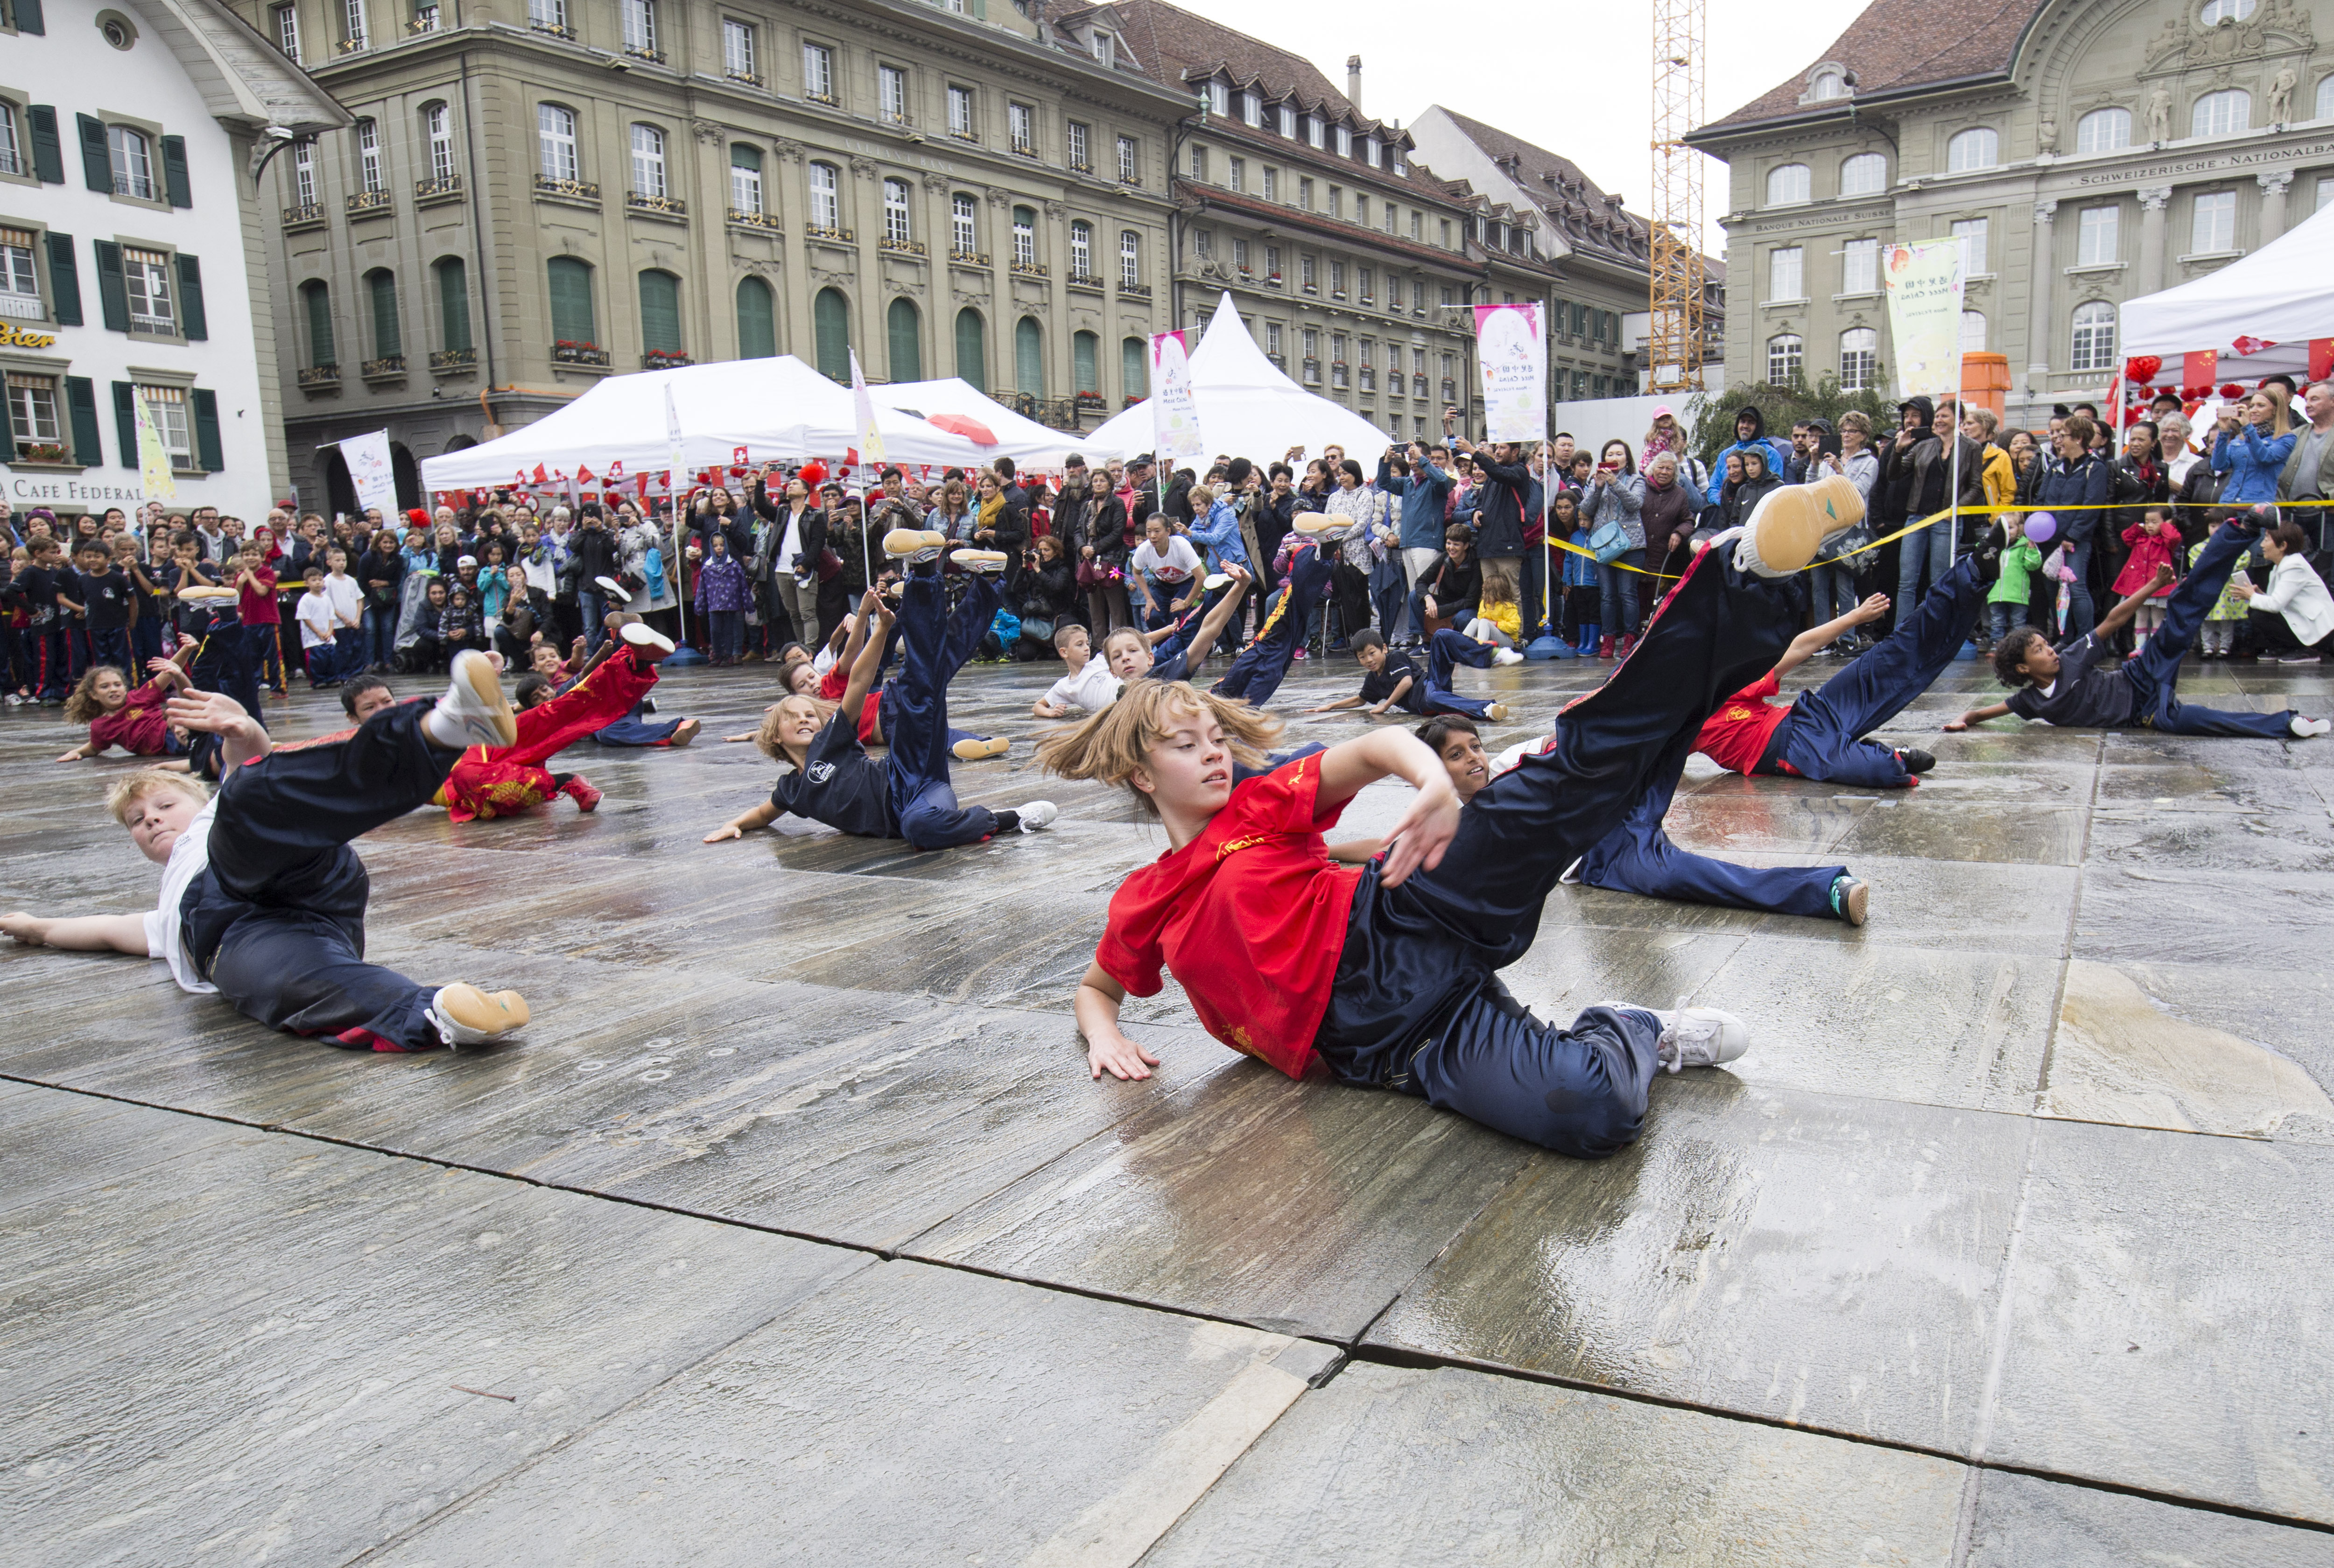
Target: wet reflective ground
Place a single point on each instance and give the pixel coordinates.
(793, 1230)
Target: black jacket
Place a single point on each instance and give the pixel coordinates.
(812, 541)
(1499, 509)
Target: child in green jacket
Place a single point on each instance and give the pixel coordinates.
(2021, 558)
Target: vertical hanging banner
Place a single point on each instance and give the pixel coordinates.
(1511, 356)
(1174, 412)
(153, 458)
(370, 471)
(1924, 315)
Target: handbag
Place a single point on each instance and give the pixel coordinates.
(1609, 541)
(828, 563)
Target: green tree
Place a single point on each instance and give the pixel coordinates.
(1781, 405)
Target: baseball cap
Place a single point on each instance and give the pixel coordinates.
(466, 561)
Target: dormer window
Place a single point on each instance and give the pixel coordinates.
(1252, 109)
(1106, 50)
(1220, 98)
(1829, 84)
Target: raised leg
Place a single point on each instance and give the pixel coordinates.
(1883, 681)
(1257, 673)
(934, 645)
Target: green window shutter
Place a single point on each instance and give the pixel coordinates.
(174, 171)
(1083, 371)
(111, 293)
(7, 439)
(454, 303)
(659, 313)
(831, 321)
(972, 349)
(191, 318)
(125, 421)
(758, 327)
(64, 280)
(1029, 358)
(207, 431)
(387, 334)
(48, 152)
(321, 348)
(28, 16)
(906, 345)
(1133, 369)
(80, 401)
(571, 301)
(96, 162)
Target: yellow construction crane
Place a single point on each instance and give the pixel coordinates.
(1673, 344)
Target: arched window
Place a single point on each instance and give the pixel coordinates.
(2094, 337)
(647, 162)
(2325, 97)
(758, 321)
(1025, 236)
(1785, 357)
(1082, 249)
(572, 316)
(1133, 368)
(903, 329)
(972, 349)
(380, 299)
(2222, 114)
(1863, 174)
(1029, 357)
(1972, 331)
(2216, 11)
(438, 134)
(745, 179)
(1130, 259)
(1976, 147)
(2103, 131)
(1786, 184)
(1859, 359)
(555, 138)
(964, 232)
(830, 320)
(826, 202)
(316, 304)
(659, 313)
(1085, 368)
(1826, 86)
(453, 304)
(132, 157)
(895, 213)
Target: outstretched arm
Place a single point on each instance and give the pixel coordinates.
(1978, 716)
(80, 933)
(2115, 619)
(243, 738)
(1097, 1007)
(1212, 624)
(1343, 702)
(1426, 829)
(738, 826)
(877, 615)
(1808, 644)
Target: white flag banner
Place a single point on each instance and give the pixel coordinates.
(1511, 354)
(1924, 315)
(863, 415)
(371, 472)
(1174, 414)
(154, 479)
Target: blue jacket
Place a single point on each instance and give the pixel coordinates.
(1778, 456)
(1220, 532)
(2253, 461)
(1423, 496)
(2088, 484)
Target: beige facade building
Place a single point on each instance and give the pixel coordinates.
(539, 193)
(2084, 154)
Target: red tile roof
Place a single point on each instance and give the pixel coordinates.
(1897, 45)
(1586, 216)
(1172, 43)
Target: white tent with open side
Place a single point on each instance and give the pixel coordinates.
(2272, 303)
(959, 407)
(775, 407)
(1248, 409)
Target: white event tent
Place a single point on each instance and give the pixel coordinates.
(1247, 407)
(1029, 443)
(775, 407)
(2281, 296)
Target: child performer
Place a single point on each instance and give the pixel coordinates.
(498, 781)
(1392, 678)
(1388, 974)
(1255, 674)
(263, 899)
(2062, 685)
(1170, 653)
(907, 795)
(119, 714)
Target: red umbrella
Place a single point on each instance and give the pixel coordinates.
(972, 430)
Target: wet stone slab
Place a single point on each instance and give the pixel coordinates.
(2026, 1522)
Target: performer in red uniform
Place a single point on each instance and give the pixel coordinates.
(496, 781)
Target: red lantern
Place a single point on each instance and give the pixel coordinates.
(814, 474)
(2233, 391)
(2142, 367)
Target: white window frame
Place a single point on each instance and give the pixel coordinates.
(1973, 332)
(1786, 353)
(744, 185)
(897, 219)
(1859, 359)
(368, 176)
(2226, 112)
(168, 405)
(1873, 166)
(2105, 131)
(1859, 268)
(1251, 109)
(1130, 160)
(547, 14)
(1787, 273)
(287, 32)
(353, 22)
(2098, 236)
(826, 196)
(648, 160)
(1789, 185)
(1345, 141)
(1021, 127)
(304, 173)
(1024, 241)
(1313, 130)
(438, 133)
(1078, 140)
(130, 152)
(147, 283)
(1220, 98)
(2215, 12)
(33, 409)
(964, 115)
(964, 224)
(1130, 258)
(737, 50)
(2212, 223)
(1976, 235)
(639, 26)
(1081, 248)
(1977, 148)
(2092, 345)
(891, 94)
(557, 153)
(818, 71)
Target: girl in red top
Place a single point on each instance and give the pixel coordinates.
(119, 714)
(1388, 975)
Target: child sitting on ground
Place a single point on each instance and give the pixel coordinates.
(1498, 619)
(1086, 686)
(1391, 678)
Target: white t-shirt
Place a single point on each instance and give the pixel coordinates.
(188, 857)
(315, 619)
(1176, 566)
(348, 600)
(1093, 688)
(790, 531)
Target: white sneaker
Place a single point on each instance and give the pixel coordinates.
(610, 587)
(2306, 728)
(1696, 1036)
(473, 712)
(1038, 815)
(465, 1015)
(1505, 656)
(640, 636)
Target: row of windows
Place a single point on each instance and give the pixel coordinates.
(1295, 123)
(2091, 347)
(1299, 191)
(141, 291)
(116, 160)
(53, 420)
(1859, 262)
(1262, 263)
(384, 317)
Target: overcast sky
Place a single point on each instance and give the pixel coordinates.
(1543, 73)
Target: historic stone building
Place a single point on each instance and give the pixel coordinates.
(2084, 152)
(538, 193)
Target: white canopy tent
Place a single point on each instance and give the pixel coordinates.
(772, 408)
(2281, 295)
(1247, 407)
(1029, 443)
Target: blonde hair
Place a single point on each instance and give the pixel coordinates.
(2281, 411)
(1498, 583)
(129, 790)
(1202, 495)
(1113, 742)
(82, 706)
(1125, 633)
(765, 739)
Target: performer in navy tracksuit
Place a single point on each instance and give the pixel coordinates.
(1257, 673)
(1391, 677)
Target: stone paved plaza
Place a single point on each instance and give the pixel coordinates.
(793, 1230)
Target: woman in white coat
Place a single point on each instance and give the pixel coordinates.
(2295, 592)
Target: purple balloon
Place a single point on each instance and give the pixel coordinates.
(2041, 527)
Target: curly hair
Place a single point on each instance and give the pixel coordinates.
(2010, 653)
(82, 706)
(1112, 743)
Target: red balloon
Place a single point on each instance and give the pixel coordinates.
(2142, 367)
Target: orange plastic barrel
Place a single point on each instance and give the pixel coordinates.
(1985, 380)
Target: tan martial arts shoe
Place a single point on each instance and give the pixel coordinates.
(914, 544)
(649, 645)
(196, 593)
(1791, 525)
(981, 750)
(465, 1015)
(473, 711)
(990, 560)
(1321, 523)
(687, 732)
(1498, 713)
